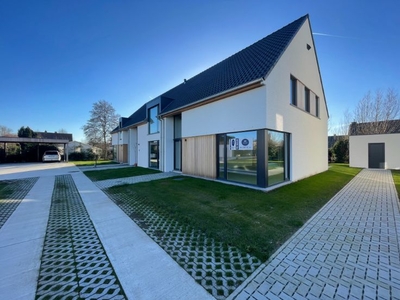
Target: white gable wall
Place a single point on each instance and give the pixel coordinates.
(309, 134)
(245, 111)
(358, 149)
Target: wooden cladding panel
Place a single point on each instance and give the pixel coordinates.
(199, 156)
(123, 153)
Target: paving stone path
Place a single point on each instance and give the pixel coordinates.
(18, 189)
(74, 264)
(103, 184)
(348, 250)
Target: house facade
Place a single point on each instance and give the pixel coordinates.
(376, 150)
(259, 117)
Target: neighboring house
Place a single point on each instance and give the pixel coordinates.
(258, 117)
(378, 150)
(75, 146)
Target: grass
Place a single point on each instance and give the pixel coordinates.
(396, 179)
(254, 221)
(119, 173)
(5, 190)
(82, 163)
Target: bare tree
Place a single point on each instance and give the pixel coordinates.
(62, 130)
(103, 120)
(375, 113)
(5, 131)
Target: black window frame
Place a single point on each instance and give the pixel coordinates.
(293, 91)
(156, 120)
(307, 104)
(158, 154)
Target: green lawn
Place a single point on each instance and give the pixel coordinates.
(253, 221)
(82, 163)
(396, 179)
(118, 173)
(5, 191)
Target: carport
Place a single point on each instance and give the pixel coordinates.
(38, 141)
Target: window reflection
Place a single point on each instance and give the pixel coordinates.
(276, 157)
(241, 157)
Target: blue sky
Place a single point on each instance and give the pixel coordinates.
(59, 57)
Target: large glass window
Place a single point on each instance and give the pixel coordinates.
(240, 163)
(276, 157)
(253, 157)
(153, 154)
(153, 121)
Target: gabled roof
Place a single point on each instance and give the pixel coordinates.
(247, 65)
(380, 127)
(137, 117)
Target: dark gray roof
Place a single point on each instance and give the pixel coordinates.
(137, 117)
(380, 127)
(252, 63)
(249, 64)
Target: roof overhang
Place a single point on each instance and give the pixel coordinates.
(128, 127)
(32, 140)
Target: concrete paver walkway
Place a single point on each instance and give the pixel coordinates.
(348, 250)
(144, 269)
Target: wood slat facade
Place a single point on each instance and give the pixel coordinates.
(199, 156)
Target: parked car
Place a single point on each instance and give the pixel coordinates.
(51, 155)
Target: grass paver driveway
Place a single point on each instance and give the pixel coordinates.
(251, 220)
(119, 173)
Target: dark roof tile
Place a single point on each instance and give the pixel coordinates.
(247, 65)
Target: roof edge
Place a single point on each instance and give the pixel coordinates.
(218, 95)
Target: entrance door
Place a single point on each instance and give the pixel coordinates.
(376, 155)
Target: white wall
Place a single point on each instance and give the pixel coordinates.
(167, 149)
(132, 147)
(309, 134)
(358, 149)
(143, 139)
(114, 139)
(246, 111)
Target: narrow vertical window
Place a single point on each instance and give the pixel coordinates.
(153, 121)
(293, 90)
(178, 142)
(307, 99)
(317, 106)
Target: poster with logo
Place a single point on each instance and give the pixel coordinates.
(241, 144)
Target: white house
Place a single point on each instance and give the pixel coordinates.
(258, 117)
(378, 151)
